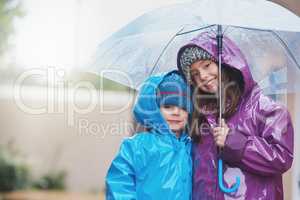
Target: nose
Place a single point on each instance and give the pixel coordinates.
(203, 75)
(176, 110)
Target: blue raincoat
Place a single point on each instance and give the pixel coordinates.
(153, 164)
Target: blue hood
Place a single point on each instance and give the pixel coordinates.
(146, 110)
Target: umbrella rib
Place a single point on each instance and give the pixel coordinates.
(199, 29)
(251, 29)
(164, 49)
(278, 38)
(212, 30)
(225, 29)
(286, 47)
(177, 34)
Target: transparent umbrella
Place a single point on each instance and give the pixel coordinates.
(267, 34)
(149, 44)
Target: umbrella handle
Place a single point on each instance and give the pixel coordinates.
(234, 188)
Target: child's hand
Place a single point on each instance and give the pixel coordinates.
(220, 134)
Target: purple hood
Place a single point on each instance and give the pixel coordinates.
(231, 55)
(259, 146)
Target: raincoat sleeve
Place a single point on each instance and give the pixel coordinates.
(120, 179)
(268, 150)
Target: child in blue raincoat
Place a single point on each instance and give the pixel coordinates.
(156, 164)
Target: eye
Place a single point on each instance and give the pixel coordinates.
(167, 106)
(194, 74)
(207, 65)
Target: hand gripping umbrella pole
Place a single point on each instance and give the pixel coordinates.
(220, 161)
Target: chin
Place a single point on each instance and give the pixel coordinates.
(209, 91)
(213, 90)
(176, 129)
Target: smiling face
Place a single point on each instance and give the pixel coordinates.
(175, 116)
(204, 74)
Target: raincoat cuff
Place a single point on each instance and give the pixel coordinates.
(234, 147)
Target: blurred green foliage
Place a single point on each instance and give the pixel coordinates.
(9, 10)
(14, 174)
(51, 181)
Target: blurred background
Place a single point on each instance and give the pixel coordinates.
(60, 126)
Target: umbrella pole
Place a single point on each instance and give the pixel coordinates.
(235, 187)
(220, 44)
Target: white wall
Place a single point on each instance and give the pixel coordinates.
(296, 164)
(83, 146)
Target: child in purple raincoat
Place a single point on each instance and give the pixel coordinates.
(256, 136)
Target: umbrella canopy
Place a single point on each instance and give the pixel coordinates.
(149, 44)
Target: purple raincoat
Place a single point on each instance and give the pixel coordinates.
(259, 146)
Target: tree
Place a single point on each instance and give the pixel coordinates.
(9, 10)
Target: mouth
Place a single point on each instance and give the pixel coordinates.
(175, 121)
(209, 83)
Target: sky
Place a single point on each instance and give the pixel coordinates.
(65, 33)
